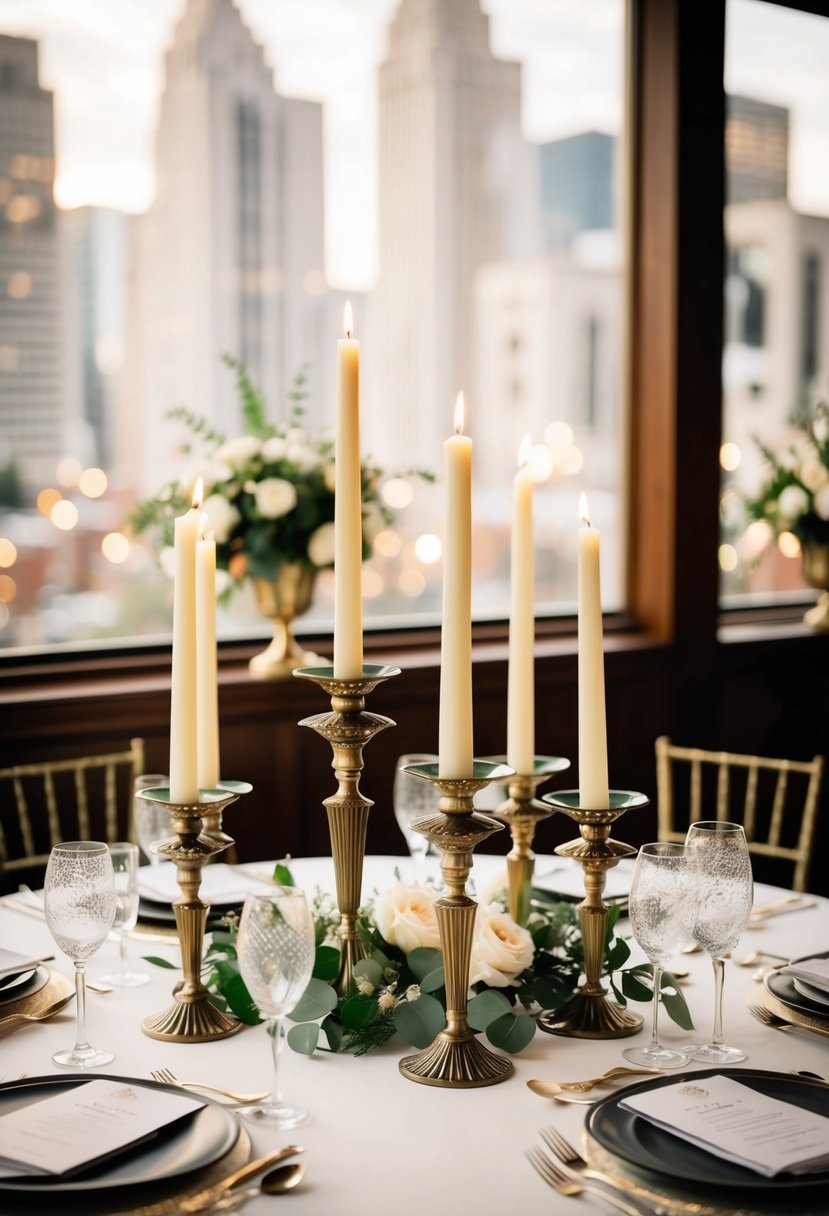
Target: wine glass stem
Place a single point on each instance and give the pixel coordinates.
(80, 1005)
(275, 1031)
(719, 976)
(122, 950)
(657, 984)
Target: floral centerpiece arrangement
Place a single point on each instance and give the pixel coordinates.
(794, 497)
(269, 493)
(515, 971)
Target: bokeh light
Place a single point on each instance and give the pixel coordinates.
(412, 582)
(558, 435)
(8, 552)
(387, 543)
(428, 548)
(64, 515)
(68, 471)
(397, 493)
(373, 584)
(92, 482)
(46, 500)
(115, 548)
(788, 544)
(730, 457)
(728, 559)
(8, 588)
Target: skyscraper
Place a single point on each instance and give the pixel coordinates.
(231, 251)
(455, 191)
(578, 184)
(31, 419)
(756, 149)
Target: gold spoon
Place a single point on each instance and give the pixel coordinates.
(549, 1088)
(276, 1182)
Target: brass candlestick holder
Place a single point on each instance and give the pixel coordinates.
(192, 1018)
(589, 1014)
(521, 812)
(348, 728)
(456, 1059)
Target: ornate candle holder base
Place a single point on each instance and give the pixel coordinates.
(348, 728)
(192, 1018)
(521, 813)
(590, 1014)
(456, 1059)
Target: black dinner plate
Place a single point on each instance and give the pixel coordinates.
(188, 1145)
(782, 987)
(27, 983)
(651, 1148)
(152, 913)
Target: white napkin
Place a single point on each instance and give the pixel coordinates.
(566, 878)
(12, 963)
(735, 1122)
(221, 884)
(814, 971)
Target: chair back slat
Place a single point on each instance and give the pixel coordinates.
(52, 817)
(778, 806)
(23, 817)
(84, 830)
(110, 803)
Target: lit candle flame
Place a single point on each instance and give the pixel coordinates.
(348, 319)
(525, 451)
(459, 409)
(198, 492)
(584, 511)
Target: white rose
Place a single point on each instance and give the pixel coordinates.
(321, 545)
(303, 457)
(501, 949)
(405, 915)
(224, 580)
(274, 448)
(822, 502)
(373, 521)
(238, 451)
(793, 502)
(296, 434)
(330, 476)
(813, 473)
(274, 497)
(222, 514)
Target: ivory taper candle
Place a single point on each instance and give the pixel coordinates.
(207, 690)
(521, 676)
(184, 781)
(593, 779)
(455, 727)
(348, 511)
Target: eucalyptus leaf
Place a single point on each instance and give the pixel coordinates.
(369, 970)
(304, 1038)
(358, 1011)
(317, 1000)
(240, 1001)
(424, 960)
(326, 963)
(283, 875)
(552, 991)
(634, 989)
(512, 1032)
(675, 1004)
(617, 955)
(159, 962)
(419, 1022)
(487, 1007)
(333, 1031)
(434, 981)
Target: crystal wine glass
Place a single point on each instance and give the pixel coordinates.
(152, 819)
(413, 798)
(722, 870)
(79, 901)
(662, 909)
(275, 948)
(125, 867)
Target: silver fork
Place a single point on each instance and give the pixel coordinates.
(573, 1165)
(776, 1022)
(559, 1181)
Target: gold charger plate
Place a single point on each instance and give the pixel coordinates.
(56, 987)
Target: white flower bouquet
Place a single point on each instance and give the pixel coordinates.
(794, 497)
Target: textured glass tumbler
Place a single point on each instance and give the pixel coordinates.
(79, 901)
(125, 869)
(722, 870)
(276, 948)
(413, 799)
(152, 819)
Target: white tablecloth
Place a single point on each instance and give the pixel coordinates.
(380, 1145)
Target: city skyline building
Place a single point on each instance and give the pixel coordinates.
(457, 189)
(31, 411)
(230, 254)
(756, 149)
(578, 185)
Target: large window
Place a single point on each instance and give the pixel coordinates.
(181, 181)
(776, 354)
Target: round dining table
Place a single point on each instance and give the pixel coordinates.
(379, 1144)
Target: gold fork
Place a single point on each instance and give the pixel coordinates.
(573, 1164)
(553, 1176)
(777, 1023)
(165, 1077)
(41, 1014)
(582, 1086)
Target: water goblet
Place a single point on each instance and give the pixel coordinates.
(79, 901)
(275, 947)
(152, 819)
(725, 889)
(662, 912)
(413, 798)
(125, 868)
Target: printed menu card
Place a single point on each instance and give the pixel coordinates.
(734, 1121)
(85, 1124)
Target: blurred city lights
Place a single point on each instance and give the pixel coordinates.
(728, 560)
(758, 536)
(730, 457)
(387, 543)
(46, 500)
(411, 582)
(540, 462)
(5, 616)
(397, 493)
(570, 460)
(558, 435)
(19, 285)
(68, 470)
(8, 588)
(92, 482)
(64, 515)
(8, 552)
(788, 544)
(428, 548)
(373, 584)
(115, 547)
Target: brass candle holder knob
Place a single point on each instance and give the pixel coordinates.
(590, 1014)
(192, 1018)
(348, 727)
(457, 1059)
(521, 812)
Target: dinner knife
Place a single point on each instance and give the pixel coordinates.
(206, 1198)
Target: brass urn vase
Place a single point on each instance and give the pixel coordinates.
(816, 573)
(282, 599)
